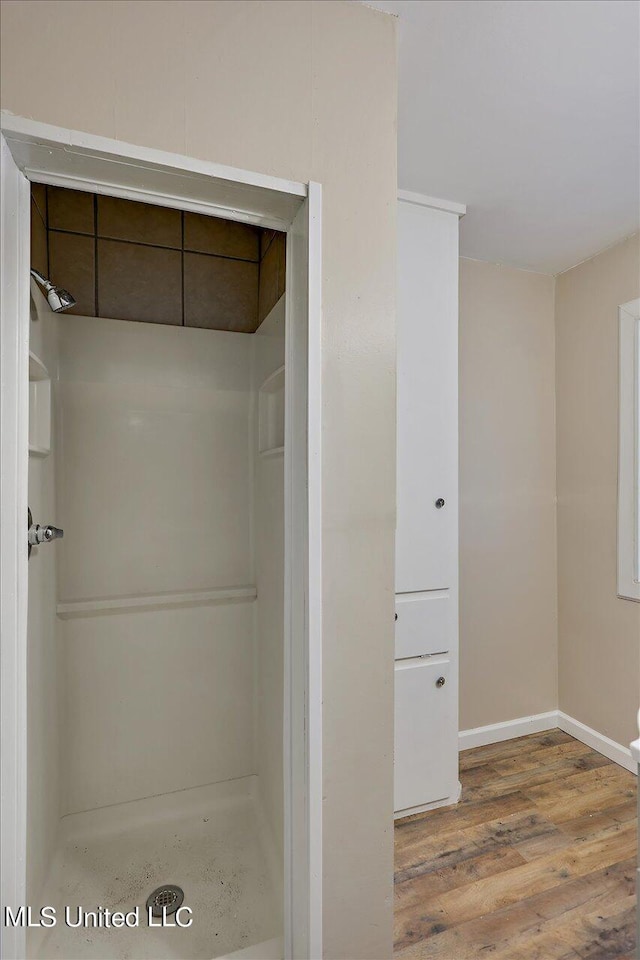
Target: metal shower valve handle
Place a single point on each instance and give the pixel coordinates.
(38, 534)
(51, 533)
(42, 534)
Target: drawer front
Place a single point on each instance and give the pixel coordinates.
(424, 624)
(426, 749)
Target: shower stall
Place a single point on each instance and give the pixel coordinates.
(168, 786)
(165, 459)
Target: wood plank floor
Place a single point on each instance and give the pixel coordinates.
(537, 862)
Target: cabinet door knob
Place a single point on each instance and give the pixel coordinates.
(439, 503)
(440, 682)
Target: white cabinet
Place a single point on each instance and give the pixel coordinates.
(427, 454)
(426, 737)
(426, 732)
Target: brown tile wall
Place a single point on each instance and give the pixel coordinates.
(135, 261)
(39, 254)
(272, 271)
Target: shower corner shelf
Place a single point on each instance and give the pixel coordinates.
(271, 415)
(39, 407)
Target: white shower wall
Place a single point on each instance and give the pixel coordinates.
(155, 467)
(156, 702)
(44, 771)
(268, 356)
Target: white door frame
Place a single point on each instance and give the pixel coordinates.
(629, 451)
(54, 155)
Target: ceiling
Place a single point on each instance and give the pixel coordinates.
(528, 111)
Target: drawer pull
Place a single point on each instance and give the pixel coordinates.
(440, 682)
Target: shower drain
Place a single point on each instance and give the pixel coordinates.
(165, 900)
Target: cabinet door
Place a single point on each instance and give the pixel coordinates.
(426, 749)
(424, 624)
(427, 462)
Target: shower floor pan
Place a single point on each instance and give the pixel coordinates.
(210, 841)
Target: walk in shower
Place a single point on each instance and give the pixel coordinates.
(156, 623)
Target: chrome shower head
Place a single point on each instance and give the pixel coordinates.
(58, 298)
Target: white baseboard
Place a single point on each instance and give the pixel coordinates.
(520, 727)
(445, 802)
(608, 748)
(508, 730)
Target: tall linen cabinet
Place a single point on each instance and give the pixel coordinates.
(426, 644)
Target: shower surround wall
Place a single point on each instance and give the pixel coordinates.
(268, 345)
(154, 494)
(156, 694)
(44, 767)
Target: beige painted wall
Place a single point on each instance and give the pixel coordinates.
(532, 639)
(599, 635)
(304, 90)
(508, 630)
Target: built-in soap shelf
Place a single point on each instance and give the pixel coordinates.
(271, 415)
(39, 408)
